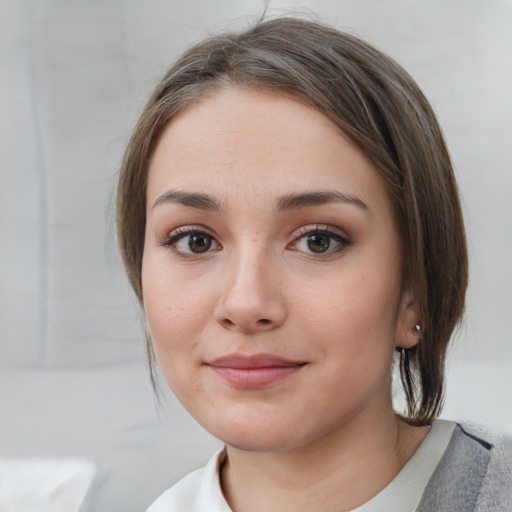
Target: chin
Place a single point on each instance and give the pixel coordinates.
(259, 436)
(260, 443)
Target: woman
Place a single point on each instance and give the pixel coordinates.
(289, 220)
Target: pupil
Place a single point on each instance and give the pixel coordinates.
(319, 243)
(199, 243)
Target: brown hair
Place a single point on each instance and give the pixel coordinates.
(380, 107)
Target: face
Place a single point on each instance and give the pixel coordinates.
(272, 272)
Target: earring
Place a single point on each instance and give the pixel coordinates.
(417, 328)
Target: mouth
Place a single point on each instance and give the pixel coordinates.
(254, 371)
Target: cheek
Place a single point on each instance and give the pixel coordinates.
(174, 320)
(353, 318)
(357, 301)
(175, 311)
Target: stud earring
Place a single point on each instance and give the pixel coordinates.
(417, 328)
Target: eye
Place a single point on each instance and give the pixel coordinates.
(196, 243)
(187, 242)
(320, 241)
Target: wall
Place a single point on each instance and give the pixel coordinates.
(73, 77)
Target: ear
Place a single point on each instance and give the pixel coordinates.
(407, 332)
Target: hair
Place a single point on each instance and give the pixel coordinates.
(382, 110)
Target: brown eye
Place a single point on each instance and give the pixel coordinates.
(318, 242)
(199, 243)
(188, 242)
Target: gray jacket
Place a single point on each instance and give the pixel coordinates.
(474, 475)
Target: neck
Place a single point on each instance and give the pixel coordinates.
(338, 472)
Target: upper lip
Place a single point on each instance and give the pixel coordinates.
(252, 361)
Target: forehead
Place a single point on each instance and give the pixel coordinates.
(258, 144)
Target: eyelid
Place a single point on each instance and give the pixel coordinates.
(171, 239)
(341, 238)
(182, 231)
(327, 229)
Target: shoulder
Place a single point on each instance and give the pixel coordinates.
(480, 461)
(498, 445)
(196, 492)
(496, 490)
(473, 475)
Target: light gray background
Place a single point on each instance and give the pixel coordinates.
(73, 77)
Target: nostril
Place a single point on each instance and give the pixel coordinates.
(228, 323)
(263, 321)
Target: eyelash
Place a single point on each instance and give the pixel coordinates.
(309, 231)
(303, 233)
(179, 234)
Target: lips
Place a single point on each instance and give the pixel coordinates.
(254, 371)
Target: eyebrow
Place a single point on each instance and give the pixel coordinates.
(285, 203)
(301, 200)
(191, 199)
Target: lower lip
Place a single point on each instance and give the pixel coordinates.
(255, 377)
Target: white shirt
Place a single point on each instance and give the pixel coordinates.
(200, 491)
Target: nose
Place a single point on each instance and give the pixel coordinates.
(252, 298)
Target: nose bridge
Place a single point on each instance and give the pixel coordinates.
(248, 284)
(251, 300)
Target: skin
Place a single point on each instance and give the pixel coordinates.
(326, 434)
